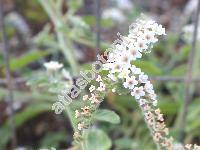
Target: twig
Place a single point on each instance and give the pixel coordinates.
(5, 48)
(98, 25)
(189, 76)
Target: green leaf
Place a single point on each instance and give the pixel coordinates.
(98, 140)
(75, 4)
(148, 67)
(91, 20)
(22, 61)
(53, 139)
(180, 70)
(107, 115)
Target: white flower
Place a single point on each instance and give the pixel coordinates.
(107, 66)
(142, 102)
(149, 88)
(92, 88)
(77, 114)
(143, 78)
(155, 102)
(141, 44)
(53, 66)
(112, 77)
(130, 82)
(134, 53)
(116, 67)
(135, 70)
(113, 90)
(93, 99)
(148, 115)
(102, 87)
(188, 146)
(124, 73)
(138, 92)
(85, 97)
(81, 126)
(98, 78)
(149, 36)
(124, 57)
(152, 96)
(160, 30)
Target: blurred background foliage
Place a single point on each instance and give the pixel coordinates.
(39, 31)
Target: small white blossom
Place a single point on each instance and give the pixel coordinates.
(102, 87)
(81, 126)
(124, 58)
(149, 87)
(141, 44)
(142, 102)
(124, 73)
(135, 70)
(113, 90)
(93, 99)
(98, 78)
(53, 66)
(77, 114)
(149, 36)
(112, 77)
(85, 97)
(143, 78)
(130, 82)
(134, 53)
(138, 92)
(92, 88)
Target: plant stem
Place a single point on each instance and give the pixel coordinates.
(64, 43)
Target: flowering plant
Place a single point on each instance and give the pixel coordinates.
(119, 72)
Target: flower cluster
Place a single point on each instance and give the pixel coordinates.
(120, 65)
(91, 103)
(121, 69)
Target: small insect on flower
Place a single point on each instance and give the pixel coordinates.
(138, 92)
(130, 82)
(53, 66)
